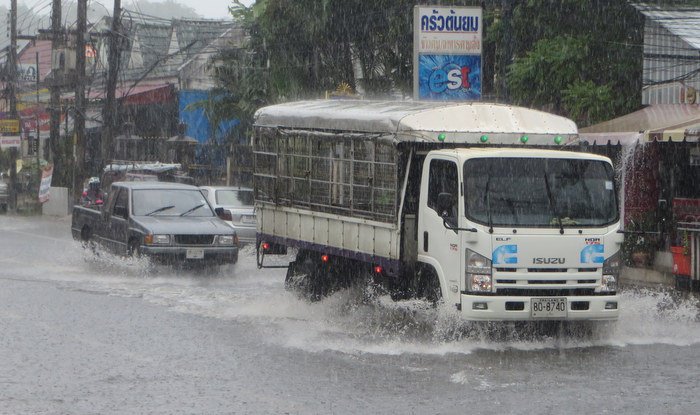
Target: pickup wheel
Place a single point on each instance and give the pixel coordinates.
(134, 248)
(85, 234)
(86, 239)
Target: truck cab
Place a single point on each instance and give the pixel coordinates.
(517, 234)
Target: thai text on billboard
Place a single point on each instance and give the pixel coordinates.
(447, 53)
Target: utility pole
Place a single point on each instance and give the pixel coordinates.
(55, 87)
(79, 113)
(109, 111)
(12, 60)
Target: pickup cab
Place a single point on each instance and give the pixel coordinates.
(167, 222)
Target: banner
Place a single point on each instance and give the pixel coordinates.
(447, 48)
(45, 186)
(10, 141)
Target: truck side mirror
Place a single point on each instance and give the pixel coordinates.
(444, 204)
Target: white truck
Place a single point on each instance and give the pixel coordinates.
(474, 204)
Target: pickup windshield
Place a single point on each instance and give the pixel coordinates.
(170, 202)
(514, 192)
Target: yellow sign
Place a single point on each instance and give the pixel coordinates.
(9, 126)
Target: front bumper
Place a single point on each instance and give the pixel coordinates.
(497, 308)
(178, 254)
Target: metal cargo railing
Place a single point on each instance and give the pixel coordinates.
(346, 174)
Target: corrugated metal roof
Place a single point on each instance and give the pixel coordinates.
(683, 21)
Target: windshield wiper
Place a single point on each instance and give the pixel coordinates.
(160, 210)
(551, 202)
(191, 210)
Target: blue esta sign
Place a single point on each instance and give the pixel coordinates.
(447, 53)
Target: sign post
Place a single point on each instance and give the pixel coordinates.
(447, 48)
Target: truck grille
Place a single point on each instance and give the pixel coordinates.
(514, 292)
(194, 239)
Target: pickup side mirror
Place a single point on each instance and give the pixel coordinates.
(223, 213)
(445, 202)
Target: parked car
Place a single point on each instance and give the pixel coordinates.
(238, 204)
(167, 222)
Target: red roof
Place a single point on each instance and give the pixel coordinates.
(139, 94)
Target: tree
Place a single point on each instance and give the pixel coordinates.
(580, 58)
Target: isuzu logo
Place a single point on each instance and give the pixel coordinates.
(548, 260)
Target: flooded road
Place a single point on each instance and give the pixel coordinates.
(102, 334)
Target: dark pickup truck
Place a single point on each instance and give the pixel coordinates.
(167, 222)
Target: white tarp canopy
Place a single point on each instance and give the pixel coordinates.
(422, 121)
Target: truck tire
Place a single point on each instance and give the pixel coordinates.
(428, 285)
(304, 277)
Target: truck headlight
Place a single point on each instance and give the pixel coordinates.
(226, 239)
(611, 273)
(156, 239)
(477, 272)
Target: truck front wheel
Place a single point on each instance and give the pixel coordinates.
(428, 285)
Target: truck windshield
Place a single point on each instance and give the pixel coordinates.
(170, 202)
(514, 192)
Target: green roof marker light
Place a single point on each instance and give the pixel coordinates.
(441, 137)
(557, 139)
(524, 139)
(484, 138)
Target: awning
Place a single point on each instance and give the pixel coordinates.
(601, 139)
(666, 122)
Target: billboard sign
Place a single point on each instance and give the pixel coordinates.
(11, 141)
(9, 126)
(447, 47)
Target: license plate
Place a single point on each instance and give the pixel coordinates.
(194, 253)
(548, 307)
(248, 219)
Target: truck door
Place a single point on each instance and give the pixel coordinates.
(439, 246)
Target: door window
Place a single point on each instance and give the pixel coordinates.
(120, 204)
(443, 179)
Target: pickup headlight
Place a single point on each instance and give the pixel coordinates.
(226, 240)
(477, 272)
(156, 239)
(611, 273)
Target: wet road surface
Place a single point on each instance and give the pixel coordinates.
(102, 334)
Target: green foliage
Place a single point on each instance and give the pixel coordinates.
(538, 78)
(572, 54)
(587, 102)
(579, 58)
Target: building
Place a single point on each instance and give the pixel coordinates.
(659, 156)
